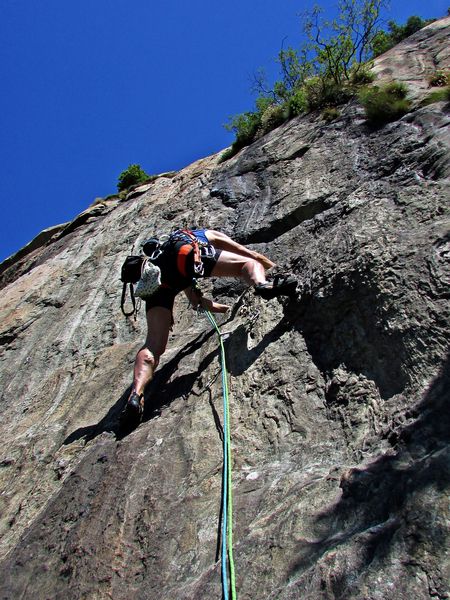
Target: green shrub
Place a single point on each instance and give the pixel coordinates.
(386, 103)
(272, 117)
(262, 103)
(383, 41)
(396, 89)
(246, 126)
(441, 95)
(440, 79)
(250, 125)
(227, 154)
(331, 113)
(321, 92)
(361, 74)
(413, 24)
(297, 103)
(131, 176)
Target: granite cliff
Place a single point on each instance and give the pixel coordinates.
(339, 401)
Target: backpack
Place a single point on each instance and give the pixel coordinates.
(129, 275)
(139, 271)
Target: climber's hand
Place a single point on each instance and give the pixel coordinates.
(214, 307)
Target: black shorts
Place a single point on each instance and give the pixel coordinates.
(173, 282)
(164, 296)
(209, 262)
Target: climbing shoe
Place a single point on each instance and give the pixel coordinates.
(282, 285)
(134, 409)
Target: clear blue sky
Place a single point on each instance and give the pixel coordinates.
(90, 87)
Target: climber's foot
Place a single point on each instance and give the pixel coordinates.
(282, 285)
(134, 409)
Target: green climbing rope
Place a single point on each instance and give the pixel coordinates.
(227, 495)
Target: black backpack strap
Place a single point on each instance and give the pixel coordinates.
(133, 300)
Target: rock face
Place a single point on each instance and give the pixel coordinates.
(417, 58)
(339, 401)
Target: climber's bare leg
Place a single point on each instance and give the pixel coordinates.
(230, 264)
(221, 241)
(159, 322)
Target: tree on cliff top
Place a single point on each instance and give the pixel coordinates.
(335, 49)
(332, 56)
(131, 176)
(384, 40)
(340, 45)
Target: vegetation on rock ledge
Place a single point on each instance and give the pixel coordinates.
(386, 103)
(329, 69)
(131, 176)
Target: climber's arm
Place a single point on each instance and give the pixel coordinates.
(196, 299)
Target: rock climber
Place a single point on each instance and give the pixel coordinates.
(220, 256)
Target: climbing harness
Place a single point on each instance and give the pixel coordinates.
(200, 248)
(227, 495)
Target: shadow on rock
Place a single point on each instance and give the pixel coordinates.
(390, 499)
(348, 326)
(109, 423)
(161, 392)
(238, 361)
